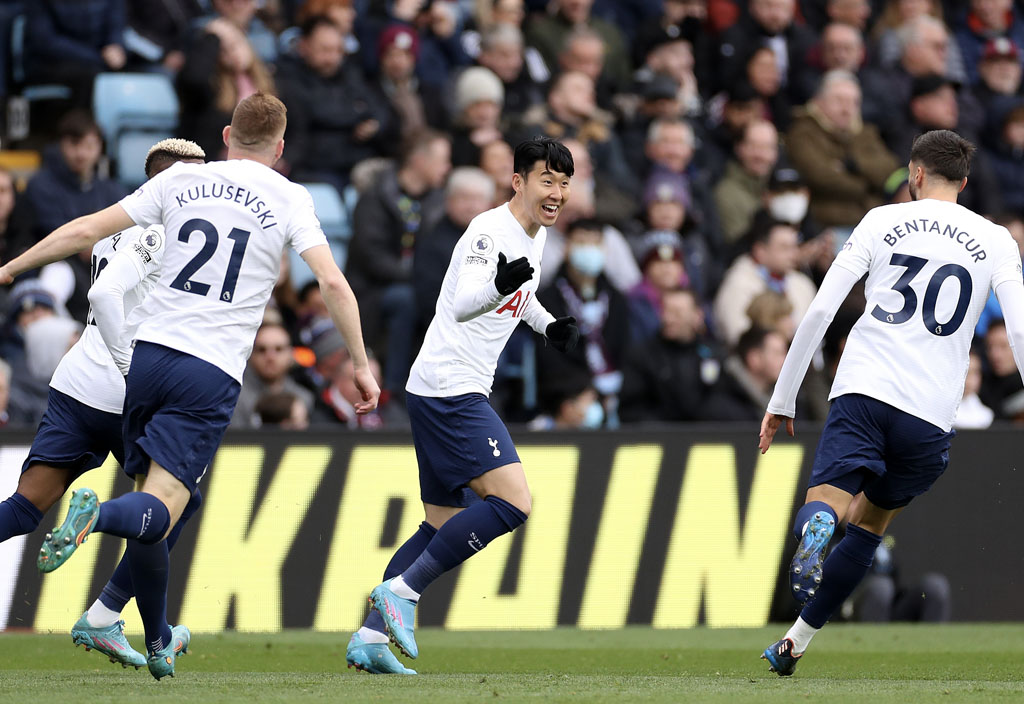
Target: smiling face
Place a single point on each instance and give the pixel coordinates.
(542, 193)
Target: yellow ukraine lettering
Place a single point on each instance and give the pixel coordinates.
(376, 475)
(620, 537)
(707, 555)
(476, 603)
(232, 559)
(64, 594)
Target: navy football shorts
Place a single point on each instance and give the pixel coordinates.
(457, 439)
(870, 446)
(176, 410)
(75, 436)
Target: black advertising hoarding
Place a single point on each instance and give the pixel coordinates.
(675, 528)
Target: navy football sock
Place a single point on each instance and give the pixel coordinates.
(465, 534)
(843, 570)
(806, 512)
(149, 565)
(135, 516)
(119, 591)
(400, 562)
(18, 516)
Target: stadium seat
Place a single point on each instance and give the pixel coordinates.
(333, 213)
(134, 101)
(129, 152)
(27, 95)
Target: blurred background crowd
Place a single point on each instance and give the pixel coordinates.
(724, 151)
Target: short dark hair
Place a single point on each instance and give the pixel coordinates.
(761, 228)
(77, 124)
(313, 23)
(554, 154)
(585, 224)
(943, 153)
(752, 339)
(275, 407)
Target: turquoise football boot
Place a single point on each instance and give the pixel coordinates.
(58, 546)
(781, 658)
(161, 663)
(805, 569)
(108, 640)
(399, 616)
(375, 658)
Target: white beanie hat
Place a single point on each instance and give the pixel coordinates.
(477, 84)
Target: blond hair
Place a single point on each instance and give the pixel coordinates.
(172, 149)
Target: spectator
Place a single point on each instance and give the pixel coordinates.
(672, 376)
(157, 33)
(611, 204)
(769, 265)
(1004, 149)
(281, 409)
(570, 404)
(898, 25)
(47, 340)
(502, 51)
(774, 21)
(70, 42)
(437, 28)
(740, 192)
(388, 218)
(571, 111)
(841, 159)
(583, 51)
(68, 185)
(999, 76)
(5, 392)
(16, 233)
(341, 12)
(659, 99)
(1000, 381)
(763, 75)
(269, 370)
(854, 13)
(398, 86)
(468, 193)
(679, 43)
(219, 71)
(731, 112)
(986, 20)
(972, 413)
(242, 14)
(335, 405)
(497, 160)
(580, 289)
(750, 375)
(661, 262)
(334, 119)
(842, 48)
(479, 95)
(772, 311)
(548, 33)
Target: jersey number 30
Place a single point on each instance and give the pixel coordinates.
(931, 295)
(184, 282)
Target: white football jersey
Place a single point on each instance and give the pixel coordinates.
(87, 372)
(930, 267)
(227, 224)
(460, 357)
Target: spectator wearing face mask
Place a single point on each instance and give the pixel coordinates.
(572, 404)
(582, 290)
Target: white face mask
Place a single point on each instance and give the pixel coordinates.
(789, 207)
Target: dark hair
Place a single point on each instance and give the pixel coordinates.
(275, 407)
(307, 289)
(77, 124)
(416, 141)
(752, 339)
(554, 154)
(943, 153)
(587, 224)
(313, 23)
(761, 228)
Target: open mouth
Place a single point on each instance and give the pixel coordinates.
(550, 209)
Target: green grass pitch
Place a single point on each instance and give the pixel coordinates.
(847, 663)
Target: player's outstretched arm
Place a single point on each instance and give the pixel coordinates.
(344, 310)
(769, 426)
(1010, 295)
(68, 239)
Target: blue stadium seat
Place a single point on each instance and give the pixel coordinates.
(129, 152)
(134, 101)
(336, 222)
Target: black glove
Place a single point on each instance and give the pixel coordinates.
(563, 333)
(511, 275)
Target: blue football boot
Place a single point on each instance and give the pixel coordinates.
(161, 663)
(108, 640)
(805, 569)
(58, 546)
(781, 658)
(375, 658)
(399, 616)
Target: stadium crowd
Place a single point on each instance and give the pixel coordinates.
(723, 150)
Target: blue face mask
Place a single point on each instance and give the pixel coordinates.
(588, 259)
(594, 416)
